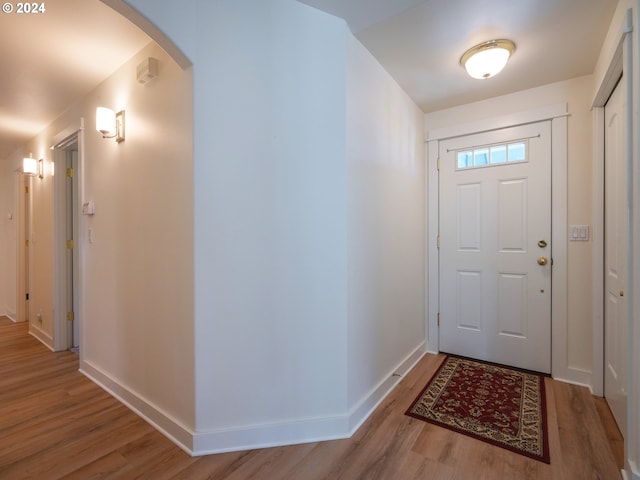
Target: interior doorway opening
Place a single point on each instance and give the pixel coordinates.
(23, 203)
(67, 155)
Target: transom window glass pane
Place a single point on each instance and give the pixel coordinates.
(481, 157)
(465, 159)
(499, 154)
(516, 152)
(492, 155)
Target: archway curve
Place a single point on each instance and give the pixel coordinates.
(138, 19)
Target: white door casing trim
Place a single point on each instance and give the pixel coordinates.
(61, 340)
(623, 58)
(557, 114)
(619, 62)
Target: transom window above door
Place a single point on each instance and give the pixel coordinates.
(492, 155)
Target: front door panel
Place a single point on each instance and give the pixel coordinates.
(495, 246)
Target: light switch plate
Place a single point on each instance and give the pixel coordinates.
(579, 233)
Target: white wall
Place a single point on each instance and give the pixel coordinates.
(271, 224)
(385, 155)
(137, 335)
(577, 94)
(276, 222)
(305, 203)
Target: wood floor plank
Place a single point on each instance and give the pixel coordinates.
(55, 423)
(586, 452)
(611, 430)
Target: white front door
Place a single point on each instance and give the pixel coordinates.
(495, 246)
(615, 259)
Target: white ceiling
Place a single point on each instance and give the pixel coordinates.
(50, 60)
(419, 42)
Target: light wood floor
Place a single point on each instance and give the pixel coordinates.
(55, 423)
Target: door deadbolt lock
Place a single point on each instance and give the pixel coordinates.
(542, 244)
(542, 261)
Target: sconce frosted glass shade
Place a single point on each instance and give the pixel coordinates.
(105, 121)
(487, 59)
(30, 166)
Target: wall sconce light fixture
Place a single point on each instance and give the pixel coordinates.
(488, 58)
(30, 166)
(33, 167)
(110, 124)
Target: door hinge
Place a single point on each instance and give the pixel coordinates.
(26, 189)
(27, 295)
(71, 316)
(26, 243)
(438, 242)
(438, 318)
(70, 172)
(70, 244)
(438, 164)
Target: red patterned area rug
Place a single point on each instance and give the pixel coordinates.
(499, 405)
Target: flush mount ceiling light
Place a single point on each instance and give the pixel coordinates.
(488, 58)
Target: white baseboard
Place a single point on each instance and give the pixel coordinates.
(168, 426)
(359, 414)
(305, 430)
(254, 436)
(270, 435)
(575, 376)
(42, 336)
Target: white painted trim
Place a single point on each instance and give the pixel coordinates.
(359, 413)
(253, 436)
(608, 83)
(42, 336)
(82, 240)
(625, 57)
(576, 376)
(530, 116)
(597, 252)
(60, 252)
(432, 296)
(305, 430)
(558, 115)
(61, 340)
(559, 251)
(573, 382)
(632, 66)
(21, 237)
(271, 435)
(160, 420)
